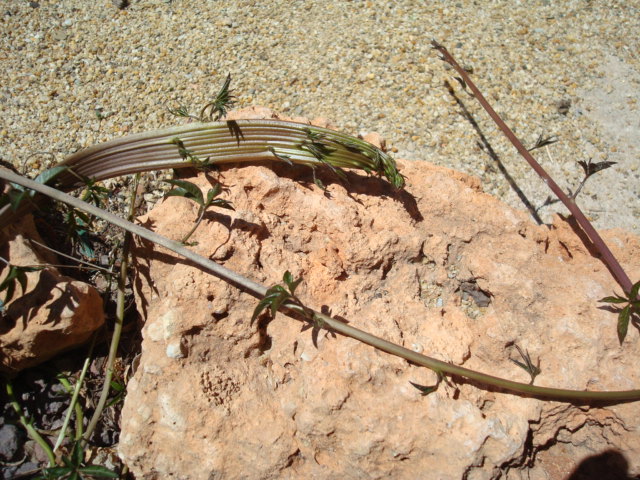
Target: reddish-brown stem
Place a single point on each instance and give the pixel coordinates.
(607, 256)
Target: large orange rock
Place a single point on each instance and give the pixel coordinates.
(441, 268)
(54, 313)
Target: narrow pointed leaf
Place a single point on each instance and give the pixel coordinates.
(427, 389)
(623, 323)
(219, 202)
(16, 197)
(520, 364)
(277, 302)
(262, 304)
(613, 300)
(56, 472)
(281, 156)
(193, 192)
(98, 471)
(48, 175)
(294, 285)
(78, 453)
(633, 295)
(22, 278)
(213, 192)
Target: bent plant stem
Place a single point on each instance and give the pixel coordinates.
(195, 226)
(31, 431)
(607, 256)
(259, 291)
(117, 330)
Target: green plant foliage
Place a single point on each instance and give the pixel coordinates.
(185, 189)
(544, 141)
(182, 111)
(629, 313)
(317, 144)
(532, 369)
(427, 389)
(75, 469)
(18, 275)
(278, 296)
(94, 193)
(281, 156)
(220, 105)
(120, 390)
(188, 156)
(78, 227)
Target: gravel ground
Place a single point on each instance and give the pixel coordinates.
(75, 73)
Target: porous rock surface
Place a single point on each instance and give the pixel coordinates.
(441, 268)
(53, 314)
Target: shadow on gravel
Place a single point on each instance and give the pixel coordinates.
(484, 144)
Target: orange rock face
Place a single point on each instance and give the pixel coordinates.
(53, 314)
(440, 268)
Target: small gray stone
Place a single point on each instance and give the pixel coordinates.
(9, 442)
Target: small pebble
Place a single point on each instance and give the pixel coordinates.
(10, 442)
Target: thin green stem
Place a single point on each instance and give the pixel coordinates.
(259, 291)
(74, 405)
(31, 431)
(201, 213)
(117, 330)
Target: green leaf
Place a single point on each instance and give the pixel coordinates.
(93, 192)
(219, 106)
(55, 472)
(182, 149)
(22, 278)
(281, 156)
(317, 149)
(48, 175)
(277, 303)
(214, 192)
(78, 454)
(17, 196)
(262, 304)
(219, 202)
(623, 323)
(427, 389)
(181, 111)
(532, 369)
(98, 471)
(117, 386)
(187, 190)
(633, 294)
(613, 300)
(319, 183)
(291, 283)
